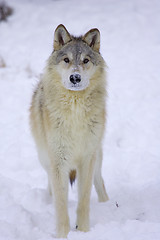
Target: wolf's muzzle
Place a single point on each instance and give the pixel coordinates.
(75, 78)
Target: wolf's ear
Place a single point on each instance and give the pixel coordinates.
(92, 38)
(61, 37)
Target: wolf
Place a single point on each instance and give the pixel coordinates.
(67, 117)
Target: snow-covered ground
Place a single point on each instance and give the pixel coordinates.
(130, 44)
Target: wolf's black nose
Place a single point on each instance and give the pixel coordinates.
(75, 78)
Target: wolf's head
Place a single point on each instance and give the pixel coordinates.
(76, 58)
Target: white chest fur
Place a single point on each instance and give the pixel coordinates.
(76, 127)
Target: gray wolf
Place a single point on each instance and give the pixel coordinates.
(67, 118)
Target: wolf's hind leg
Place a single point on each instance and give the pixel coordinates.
(98, 180)
(49, 186)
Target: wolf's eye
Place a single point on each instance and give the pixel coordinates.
(66, 60)
(86, 60)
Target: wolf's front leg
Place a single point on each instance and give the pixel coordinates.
(85, 175)
(59, 185)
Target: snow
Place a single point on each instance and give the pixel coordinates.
(130, 44)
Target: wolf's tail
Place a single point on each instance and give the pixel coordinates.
(72, 176)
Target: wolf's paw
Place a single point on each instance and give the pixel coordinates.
(62, 234)
(82, 226)
(82, 223)
(62, 231)
(103, 197)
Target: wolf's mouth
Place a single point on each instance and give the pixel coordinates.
(76, 87)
